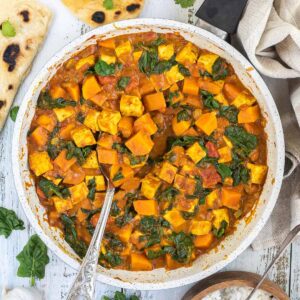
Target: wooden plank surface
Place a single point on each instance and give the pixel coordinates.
(59, 276)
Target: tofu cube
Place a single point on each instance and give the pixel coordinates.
(64, 113)
(173, 75)
(78, 192)
(221, 98)
(109, 59)
(107, 156)
(212, 199)
(207, 122)
(208, 60)
(47, 121)
(243, 99)
(137, 55)
(140, 143)
(200, 227)
(40, 136)
(91, 120)
(185, 184)
(91, 161)
(90, 61)
(188, 54)
(82, 137)
(219, 216)
(40, 163)
(108, 121)
(131, 106)
(187, 205)
(165, 52)
(61, 205)
(100, 182)
(123, 48)
(62, 162)
(225, 154)
(257, 173)
(175, 218)
(195, 152)
(150, 185)
(167, 172)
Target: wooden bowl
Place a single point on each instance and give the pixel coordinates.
(229, 279)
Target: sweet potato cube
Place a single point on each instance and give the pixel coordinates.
(190, 86)
(47, 121)
(160, 82)
(73, 90)
(146, 124)
(150, 185)
(204, 241)
(139, 262)
(82, 136)
(140, 144)
(40, 136)
(125, 126)
(213, 87)
(120, 173)
(57, 92)
(91, 120)
(165, 51)
(172, 263)
(257, 173)
(62, 162)
(65, 131)
(108, 121)
(107, 156)
(224, 154)
(188, 54)
(90, 87)
(64, 113)
(86, 61)
(99, 180)
(185, 184)
(61, 205)
(124, 233)
(207, 122)
(181, 127)
(249, 115)
(200, 227)
(91, 161)
(110, 44)
(146, 86)
(80, 215)
(175, 218)
(74, 175)
(173, 75)
(220, 215)
(207, 61)
(167, 172)
(131, 184)
(78, 192)
(40, 163)
(193, 101)
(196, 152)
(131, 106)
(155, 101)
(231, 197)
(137, 55)
(99, 99)
(106, 141)
(146, 207)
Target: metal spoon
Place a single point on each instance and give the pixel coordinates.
(290, 237)
(84, 285)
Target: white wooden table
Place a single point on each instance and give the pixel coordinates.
(59, 275)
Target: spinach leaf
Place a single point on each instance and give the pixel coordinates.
(33, 259)
(119, 296)
(157, 42)
(219, 69)
(151, 254)
(80, 154)
(120, 148)
(123, 82)
(9, 222)
(79, 247)
(118, 176)
(113, 242)
(221, 231)
(50, 189)
(111, 258)
(240, 175)
(148, 61)
(46, 102)
(104, 69)
(150, 226)
(183, 247)
(243, 141)
(209, 101)
(14, 112)
(92, 189)
(183, 115)
(183, 141)
(168, 194)
(115, 210)
(162, 66)
(224, 171)
(185, 3)
(229, 112)
(184, 71)
(80, 117)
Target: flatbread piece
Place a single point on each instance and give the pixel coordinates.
(99, 12)
(30, 20)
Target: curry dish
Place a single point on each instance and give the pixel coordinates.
(182, 138)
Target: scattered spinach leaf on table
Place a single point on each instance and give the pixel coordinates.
(9, 222)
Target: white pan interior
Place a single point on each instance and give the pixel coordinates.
(233, 245)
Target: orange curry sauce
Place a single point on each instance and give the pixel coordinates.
(182, 137)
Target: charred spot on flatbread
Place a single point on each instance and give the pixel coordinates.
(10, 87)
(133, 7)
(25, 15)
(2, 103)
(118, 12)
(98, 17)
(10, 56)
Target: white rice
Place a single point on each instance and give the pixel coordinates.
(238, 293)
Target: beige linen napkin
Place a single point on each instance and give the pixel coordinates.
(270, 34)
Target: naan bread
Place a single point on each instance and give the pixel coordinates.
(30, 20)
(95, 13)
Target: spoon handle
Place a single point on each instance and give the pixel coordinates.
(290, 237)
(84, 285)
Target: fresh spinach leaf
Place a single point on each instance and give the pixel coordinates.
(14, 112)
(9, 222)
(185, 3)
(33, 259)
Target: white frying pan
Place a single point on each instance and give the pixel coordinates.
(233, 245)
